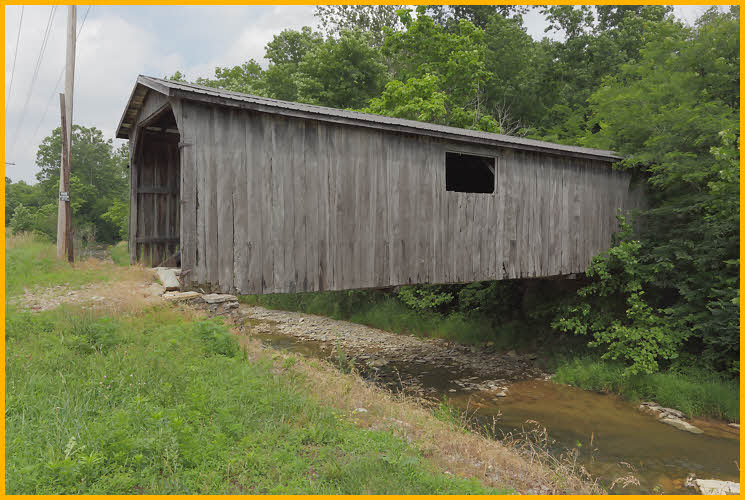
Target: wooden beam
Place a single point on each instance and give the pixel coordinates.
(157, 239)
(157, 190)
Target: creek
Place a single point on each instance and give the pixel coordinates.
(610, 437)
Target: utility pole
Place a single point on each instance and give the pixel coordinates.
(65, 175)
(63, 210)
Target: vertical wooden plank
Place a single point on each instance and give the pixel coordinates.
(393, 166)
(333, 269)
(188, 209)
(438, 223)
(281, 218)
(212, 235)
(224, 173)
(265, 175)
(324, 217)
(133, 174)
(299, 206)
(311, 201)
(381, 270)
(237, 158)
(508, 237)
(497, 218)
(359, 170)
(257, 191)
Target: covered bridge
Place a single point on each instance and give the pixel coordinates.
(254, 195)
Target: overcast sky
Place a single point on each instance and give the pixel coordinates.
(117, 43)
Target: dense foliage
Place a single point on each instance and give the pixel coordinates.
(98, 189)
(629, 78)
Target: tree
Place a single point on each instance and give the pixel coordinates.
(245, 78)
(342, 73)
(675, 113)
(370, 19)
(98, 177)
(22, 219)
(440, 76)
(449, 16)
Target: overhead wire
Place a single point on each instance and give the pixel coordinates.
(35, 75)
(59, 80)
(15, 58)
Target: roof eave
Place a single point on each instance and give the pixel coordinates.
(124, 128)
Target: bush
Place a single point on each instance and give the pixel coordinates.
(216, 337)
(22, 220)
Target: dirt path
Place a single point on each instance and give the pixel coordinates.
(119, 294)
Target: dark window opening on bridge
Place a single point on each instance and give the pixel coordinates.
(469, 173)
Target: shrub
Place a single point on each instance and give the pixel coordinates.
(22, 220)
(216, 337)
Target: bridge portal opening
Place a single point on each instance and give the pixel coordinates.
(466, 173)
(156, 174)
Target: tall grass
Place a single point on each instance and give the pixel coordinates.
(31, 260)
(695, 392)
(120, 253)
(154, 403)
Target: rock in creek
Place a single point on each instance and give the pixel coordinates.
(716, 487)
(681, 424)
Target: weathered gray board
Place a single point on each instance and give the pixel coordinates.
(271, 203)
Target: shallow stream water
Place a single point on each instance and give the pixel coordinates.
(611, 437)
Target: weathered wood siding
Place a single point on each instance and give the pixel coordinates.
(276, 204)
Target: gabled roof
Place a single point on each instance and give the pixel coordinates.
(215, 96)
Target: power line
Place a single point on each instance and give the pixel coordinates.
(59, 80)
(43, 48)
(15, 57)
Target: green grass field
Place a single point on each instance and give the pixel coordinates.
(31, 261)
(155, 402)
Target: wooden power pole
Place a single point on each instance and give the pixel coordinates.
(64, 224)
(65, 185)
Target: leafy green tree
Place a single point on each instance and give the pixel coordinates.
(22, 219)
(444, 71)
(284, 53)
(245, 78)
(675, 113)
(449, 16)
(591, 51)
(99, 177)
(370, 19)
(118, 216)
(20, 193)
(342, 73)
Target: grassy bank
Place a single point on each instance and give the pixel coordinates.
(159, 401)
(697, 393)
(155, 403)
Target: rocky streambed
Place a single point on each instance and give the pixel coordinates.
(412, 364)
(633, 449)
